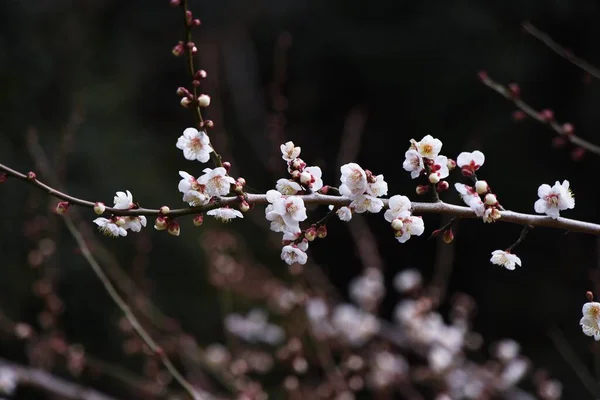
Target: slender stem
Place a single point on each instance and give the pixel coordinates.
(520, 239)
(316, 198)
(126, 310)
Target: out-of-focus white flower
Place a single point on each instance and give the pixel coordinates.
(506, 350)
(289, 151)
(550, 389)
(353, 325)
(254, 327)
(590, 322)
(292, 254)
(368, 288)
(407, 280)
(354, 180)
(378, 188)
(513, 372)
(8, 380)
(505, 259)
(386, 368)
(405, 311)
(554, 199)
(470, 162)
(216, 182)
(195, 145)
(123, 201)
(288, 187)
(413, 163)
(363, 203)
(344, 214)
(109, 228)
(440, 358)
(225, 214)
(399, 207)
(428, 147)
(411, 226)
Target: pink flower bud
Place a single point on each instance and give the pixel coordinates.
(310, 234)
(514, 90)
(200, 74)
(178, 50)
(227, 166)
(164, 210)
(568, 128)
(519, 115)
(204, 100)
(422, 189)
(175, 3)
(324, 189)
(185, 102)
(451, 164)
(62, 207)
(546, 115)
(198, 219)
(208, 124)
(31, 175)
(481, 187)
(483, 75)
(321, 231)
(578, 153)
(161, 223)
(99, 208)
(181, 91)
(174, 228)
(434, 178)
(448, 236)
(244, 206)
(442, 186)
(3, 177)
(397, 224)
(559, 142)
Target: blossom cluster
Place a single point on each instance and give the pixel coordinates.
(117, 225)
(423, 158)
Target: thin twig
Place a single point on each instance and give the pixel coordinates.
(126, 310)
(560, 50)
(533, 113)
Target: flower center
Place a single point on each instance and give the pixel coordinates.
(427, 149)
(552, 199)
(196, 144)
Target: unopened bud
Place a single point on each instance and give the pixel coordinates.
(227, 166)
(31, 175)
(181, 91)
(204, 100)
(324, 189)
(322, 232)
(397, 224)
(578, 153)
(481, 187)
(208, 124)
(185, 102)
(559, 142)
(161, 223)
(244, 206)
(196, 22)
(173, 228)
(490, 199)
(306, 178)
(295, 174)
(3, 177)
(448, 236)
(483, 75)
(589, 295)
(568, 128)
(119, 221)
(442, 186)
(99, 208)
(62, 207)
(188, 16)
(310, 234)
(297, 163)
(434, 178)
(239, 189)
(178, 50)
(546, 115)
(519, 115)
(422, 189)
(164, 210)
(200, 74)
(175, 3)
(198, 219)
(514, 90)
(451, 164)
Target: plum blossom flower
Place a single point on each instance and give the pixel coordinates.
(428, 147)
(193, 192)
(471, 198)
(344, 214)
(289, 151)
(378, 187)
(439, 167)
(278, 224)
(109, 227)
(288, 187)
(311, 178)
(368, 288)
(470, 162)
(354, 180)
(590, 322)
(505, 259)
(225, 214)
(291, 208)
(407, 280)
(123, 201)
(135, 223)
(354, 325)
(411, 226)
(399, 207)
(554, 199)
(292, 254)
(195, 145)
(363, 203)
(413, 163)
(216, 181)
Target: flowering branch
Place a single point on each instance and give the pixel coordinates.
(561, 51)
(546, 117)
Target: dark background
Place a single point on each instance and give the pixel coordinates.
(101, 73)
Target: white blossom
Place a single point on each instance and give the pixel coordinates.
(378, 188)
(292, 254)
(216, 181)
(9, 380)
(470, 161)
(554, 199)
(505, 259)
(363, 203)
(344, 214)
(311, 178)
(193, 192)
(413, 163)
(407, 280)
(225, 214)
(411, 226)
(354, 325)
(368, 288)
(590, 322)
(354, 180)
(287, 186)
(440, 358)
(289, 151)
(109, 228)
(399, 207)
(135, 223)
(440, 167)
(195, 145)
(123, 201)
(428, 147)
(471, 198)
(278, 224)
(291, 208)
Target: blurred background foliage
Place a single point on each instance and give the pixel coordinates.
(100, 73)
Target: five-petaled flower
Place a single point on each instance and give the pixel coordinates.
(195, 145)
(293, 254)
(554, 199)
(123, 201)
(109, 228)
(469, 163)
(216, 181)
(225, 214)
(428, 147)
(505, 259)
